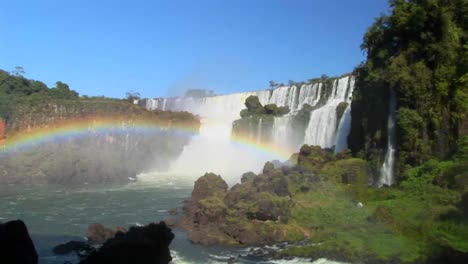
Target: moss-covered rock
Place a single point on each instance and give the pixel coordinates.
(208, 186)
(282, 110)
(348, 171)
(253, 105)
(313, 158)
(248, 176)
(271, 109)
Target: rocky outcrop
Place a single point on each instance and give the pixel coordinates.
(257, 120)
(257, 211)
(72, 246)
(144, 245)
(98, 234)
(117, 153)
(16, 245)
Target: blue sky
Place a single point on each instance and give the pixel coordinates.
(160, 48)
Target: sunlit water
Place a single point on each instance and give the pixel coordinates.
(56, 214)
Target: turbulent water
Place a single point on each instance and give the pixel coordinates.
(57, 215)
(213, 149)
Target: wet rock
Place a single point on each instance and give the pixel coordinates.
(98, 234)
(271, 109)
(143, 245)
(16, 245)
(253, 105)
(171, 222)
(71, 246)
(173, 211)
(282, 110)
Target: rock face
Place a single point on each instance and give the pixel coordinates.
(16, 245)
(144, 245)
(257, 211)
(208, 185)
(252, 213)
(98, 234)
(257, 120)
(115, 154)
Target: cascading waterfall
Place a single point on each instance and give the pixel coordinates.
(388, 167)
(281, 132)
(344, 126)
(322, 129)
(259, 131)
(213, 150)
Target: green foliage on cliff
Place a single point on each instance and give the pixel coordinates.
(420, 52)
(423, 218)
(19, 94)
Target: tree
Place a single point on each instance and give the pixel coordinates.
(420, 52)
(63, 91)
(273, 84)
(18, 71)
(291, 82)
(131, 96)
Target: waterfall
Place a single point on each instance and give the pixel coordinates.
(282, 132)
(344, 126)
(388, 167)
(322, 129)
(259, 131)
(213, 150)
(343, 131)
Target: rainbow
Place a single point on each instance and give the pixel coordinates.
(80, 127)
(268, 149)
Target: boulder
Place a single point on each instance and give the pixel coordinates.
(248, 176)
(271, 109)
(208, 185)
(313, 158)
(282, 110)
(253, 105)
(268, 168)
(16, 245)
(71, 246)
(98, 234)
(210, 234)
(143, 245)
(244, 113)
(171, 222)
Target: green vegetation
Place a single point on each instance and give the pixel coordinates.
(419, 220)
(113, 156)
(420, 52)
(325, 200)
